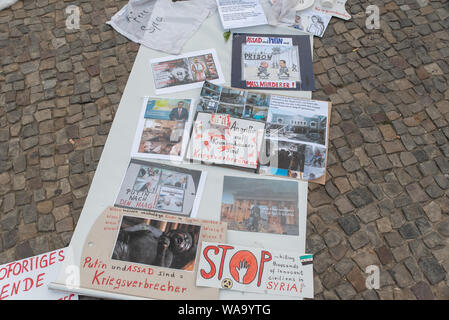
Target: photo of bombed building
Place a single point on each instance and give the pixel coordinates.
(260, 205)
(300, 128)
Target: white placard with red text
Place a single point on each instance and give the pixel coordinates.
(27, 279)
(235, 267)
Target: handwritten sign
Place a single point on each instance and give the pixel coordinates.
(236, 267)
(27, 279)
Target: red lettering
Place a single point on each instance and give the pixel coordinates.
(211, 273)
(225, 249)
(61, 255)
(86, 261)
(2, 294)
(263, 259)
(28, 284)
(52, 258)
(40, 278)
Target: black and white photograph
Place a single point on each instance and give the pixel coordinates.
(157, 243)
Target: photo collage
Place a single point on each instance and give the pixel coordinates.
(151, 186)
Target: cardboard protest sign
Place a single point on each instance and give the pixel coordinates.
(27, 279)
(139, 254)
(241, 268)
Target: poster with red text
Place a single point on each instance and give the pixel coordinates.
(235, 267)
(27, 279)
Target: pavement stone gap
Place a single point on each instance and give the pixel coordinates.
(386, 199)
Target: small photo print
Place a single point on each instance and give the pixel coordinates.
(286, 155)
(174, 179)
(207, 105)
(232, 109)
(232, 96)
(163, 137)
(257, 105)
(270, 62)
(147, 179)
(260, 205)
(298, 128)
(168, 109)
(170, 199)
(157, 243)
(315, 162)
(184, 71)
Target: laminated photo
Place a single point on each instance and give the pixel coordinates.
(163, 129)
(267, 61)
(185, 72)
(162, 188)
(260, 205)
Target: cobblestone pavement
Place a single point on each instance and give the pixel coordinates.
(386, 199)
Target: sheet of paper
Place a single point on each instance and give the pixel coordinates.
(27, 279)
(186, 71)
(235, 267)
(267, 61)
(241, 13)
(160, 187)
(163, 128)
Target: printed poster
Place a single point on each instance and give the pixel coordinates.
(260, 205)
(163, 128)
(241, 14)
(241, 268)
(27, 279)
(296, 136)
(186, 71)
(277, 62)
(145, 254)
(162, 188)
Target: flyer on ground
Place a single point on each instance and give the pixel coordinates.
(261, 270)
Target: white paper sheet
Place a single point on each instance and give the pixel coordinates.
(242, 13)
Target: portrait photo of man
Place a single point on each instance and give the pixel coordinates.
(179, 113)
